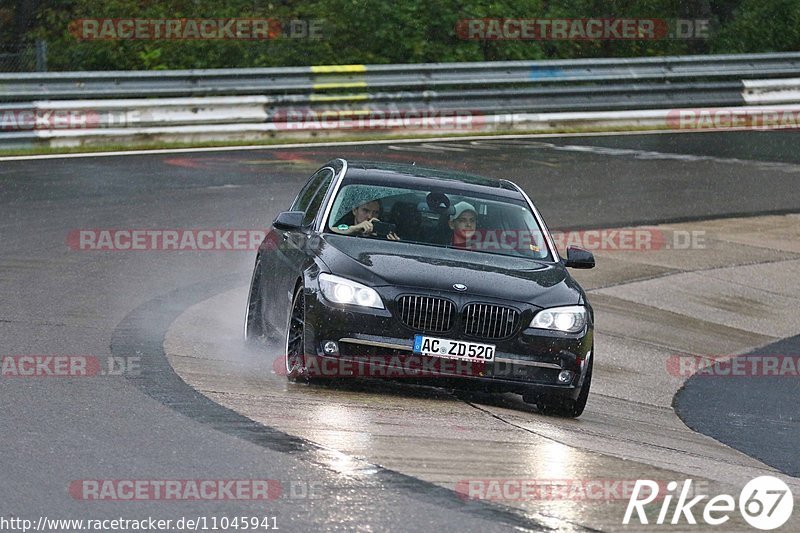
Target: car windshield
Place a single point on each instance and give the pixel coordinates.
(473, 222)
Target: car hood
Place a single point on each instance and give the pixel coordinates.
(380, 263)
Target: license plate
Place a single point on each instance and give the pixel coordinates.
(450, 349)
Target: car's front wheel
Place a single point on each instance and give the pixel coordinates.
(295, 339)
(566, 407)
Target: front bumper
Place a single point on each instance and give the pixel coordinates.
(374, 343)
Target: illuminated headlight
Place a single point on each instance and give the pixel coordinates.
(344, 291)
(570, 319)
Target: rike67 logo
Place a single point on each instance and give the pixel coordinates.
(765, 503)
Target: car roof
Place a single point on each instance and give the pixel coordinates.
(384, 173)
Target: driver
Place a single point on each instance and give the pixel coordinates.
(363, 216)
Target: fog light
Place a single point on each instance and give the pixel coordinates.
(330, 348)
(565, 376)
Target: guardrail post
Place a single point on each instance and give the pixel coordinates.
(41, 55)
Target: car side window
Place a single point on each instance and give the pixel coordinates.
(303, 199)
(326, 175)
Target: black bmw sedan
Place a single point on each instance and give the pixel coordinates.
(397, 271)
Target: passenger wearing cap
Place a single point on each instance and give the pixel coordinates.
(463, 222)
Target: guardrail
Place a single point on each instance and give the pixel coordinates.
(217, 104)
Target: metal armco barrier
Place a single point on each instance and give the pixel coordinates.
(71, 108)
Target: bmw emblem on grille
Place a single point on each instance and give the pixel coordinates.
(459, 287)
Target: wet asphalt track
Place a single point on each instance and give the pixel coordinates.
(58, 301)
(718, 408)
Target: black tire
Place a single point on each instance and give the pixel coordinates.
(566, 407)
(254, 327)
(295, 339)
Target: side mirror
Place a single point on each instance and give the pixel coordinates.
(579, 258)
(289, 220)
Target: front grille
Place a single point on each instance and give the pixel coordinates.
(489, 321)
(427, 313)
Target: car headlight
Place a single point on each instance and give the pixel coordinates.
(344, 291)
(571, 319)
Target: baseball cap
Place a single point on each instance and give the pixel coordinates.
(460, 207)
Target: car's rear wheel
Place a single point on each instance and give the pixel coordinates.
(295, 339)
(254, 314)
(566, 407)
